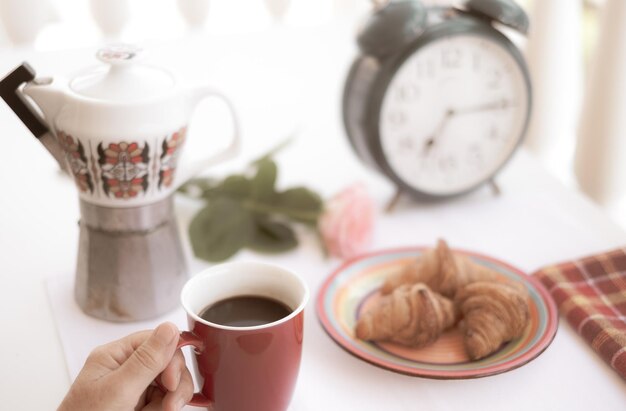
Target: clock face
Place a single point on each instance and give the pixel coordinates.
(453, 113)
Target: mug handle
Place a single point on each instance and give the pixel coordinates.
(189, 338)
(186, 173)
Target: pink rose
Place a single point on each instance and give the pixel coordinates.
(348, 221)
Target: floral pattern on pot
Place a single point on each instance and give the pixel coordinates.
(77, 161)
(171, 149)
(124, 168)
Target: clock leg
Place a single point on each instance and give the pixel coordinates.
(494, 187)
(393, 202)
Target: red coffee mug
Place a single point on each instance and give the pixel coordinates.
(245, 368)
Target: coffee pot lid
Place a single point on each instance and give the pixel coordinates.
(124, 80)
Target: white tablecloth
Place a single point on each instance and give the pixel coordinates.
(281, 83)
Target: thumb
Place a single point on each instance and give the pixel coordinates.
(149, 359)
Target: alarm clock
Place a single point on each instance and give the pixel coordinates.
(439, 98)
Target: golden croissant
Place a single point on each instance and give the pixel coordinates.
(494, 313)
(412, 315)
(442, 270)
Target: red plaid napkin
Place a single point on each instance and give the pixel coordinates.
(591, 294)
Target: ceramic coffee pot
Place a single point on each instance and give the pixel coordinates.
(119, 130)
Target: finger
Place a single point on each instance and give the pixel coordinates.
(154, 400)
(174, 401)
(148, 360)
(113, 354)
(150, 394)
(171, 375)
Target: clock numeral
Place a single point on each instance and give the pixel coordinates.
(495, 80)
(476, 62)
(425, 69)
(406, 93)
(451, 58)
(406, 144)
(397, 118)
(447, 164)
(475, 156)
(493, 134)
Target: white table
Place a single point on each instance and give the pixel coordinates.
(281, 83)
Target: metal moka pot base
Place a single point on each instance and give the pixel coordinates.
(131, 264)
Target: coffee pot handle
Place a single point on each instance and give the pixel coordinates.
(9, 91)
(189, 338)
(187, 172)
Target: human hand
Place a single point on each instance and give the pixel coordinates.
(118, 376)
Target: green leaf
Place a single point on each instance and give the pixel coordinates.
(264, 181)
(300, 203)
(270, 154)
(272, 236)
(197, 187)
(221, 229)
(242, 212)
(236, 186)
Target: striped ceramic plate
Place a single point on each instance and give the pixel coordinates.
(352, 288)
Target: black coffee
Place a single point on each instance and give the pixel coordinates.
(245, 311)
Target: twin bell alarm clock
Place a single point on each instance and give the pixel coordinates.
(439, 98)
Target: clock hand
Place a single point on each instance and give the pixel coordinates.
(495, 105)
(430, 142)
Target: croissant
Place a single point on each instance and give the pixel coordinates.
(440, 269)
(494, 314)
(412, 315)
